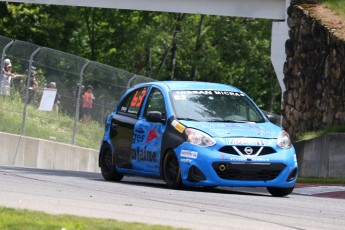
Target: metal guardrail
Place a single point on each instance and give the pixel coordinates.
(36, 68)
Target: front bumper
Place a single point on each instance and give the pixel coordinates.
(209, 167)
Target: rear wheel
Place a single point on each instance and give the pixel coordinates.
(279, 192)
(171, 171)
(108, 168)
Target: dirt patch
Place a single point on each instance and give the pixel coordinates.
(334, 22)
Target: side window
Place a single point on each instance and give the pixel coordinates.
(132, 103)
(155, 103)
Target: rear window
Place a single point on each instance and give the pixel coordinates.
(132, 103)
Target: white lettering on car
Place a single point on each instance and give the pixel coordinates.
(245, 141)
(189, 154)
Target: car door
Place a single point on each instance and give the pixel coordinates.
(147, 136)
(122, 127)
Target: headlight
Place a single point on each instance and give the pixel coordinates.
(199, 138)
(283, 140)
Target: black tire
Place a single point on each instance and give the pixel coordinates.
(107, 165)
(279, 192)
(171, 171)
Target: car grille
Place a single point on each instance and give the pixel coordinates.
(240, 150)
(248, 171)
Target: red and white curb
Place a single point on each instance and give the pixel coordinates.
(331, 191)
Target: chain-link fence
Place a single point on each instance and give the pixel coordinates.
(45, 98)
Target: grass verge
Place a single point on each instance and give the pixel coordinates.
(337, 5)
(314, 134)
(317, 180)
(13, 219)
(47, 125)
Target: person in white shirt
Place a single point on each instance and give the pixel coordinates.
(7, 76)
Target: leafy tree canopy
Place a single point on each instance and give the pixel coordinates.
(175, 46)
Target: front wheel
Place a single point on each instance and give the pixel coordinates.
(280, 192)
(107, 165)
(171, 171)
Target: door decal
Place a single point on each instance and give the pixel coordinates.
(146, 146)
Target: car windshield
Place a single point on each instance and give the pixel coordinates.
(214, 106)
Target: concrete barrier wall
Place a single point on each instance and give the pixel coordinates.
(24, 151)
(322, 156)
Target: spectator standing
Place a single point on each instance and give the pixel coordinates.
(7, 76)
(87, 104)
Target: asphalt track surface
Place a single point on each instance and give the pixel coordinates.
(149, 201)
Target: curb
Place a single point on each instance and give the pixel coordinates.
(320, 190)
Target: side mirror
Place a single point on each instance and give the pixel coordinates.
(154, 116)
(272, 118)
(275, 119)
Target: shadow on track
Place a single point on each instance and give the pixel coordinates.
(132, 180)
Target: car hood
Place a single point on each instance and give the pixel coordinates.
(230, 129)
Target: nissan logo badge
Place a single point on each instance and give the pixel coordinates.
(248, 150)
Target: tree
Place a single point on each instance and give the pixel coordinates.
(163, 46)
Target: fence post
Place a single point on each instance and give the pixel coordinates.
(130, 81)
(22, 129)
(76, 117)
(102, 113)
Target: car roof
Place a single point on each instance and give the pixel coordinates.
(192, 85)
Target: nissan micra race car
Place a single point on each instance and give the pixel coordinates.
(196, 134)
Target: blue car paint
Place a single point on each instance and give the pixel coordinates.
(190, 155)
(146, 146)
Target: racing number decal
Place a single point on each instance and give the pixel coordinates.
(138, 98)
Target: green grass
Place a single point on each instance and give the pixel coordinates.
(13, 219)
(317, 180)
(336, 5)
(47, 125)
(318, 133)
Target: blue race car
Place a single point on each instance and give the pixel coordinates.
(196, 134)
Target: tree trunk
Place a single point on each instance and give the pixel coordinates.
(173, 55)
(197, 48)
(148, 61)
(177, 29)
(90, 25)
(162, 63)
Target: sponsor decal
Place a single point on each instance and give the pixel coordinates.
(178, 126)
(261, 159)
(209, 92)
(258, 129)
(189, 154)
(249, 158)
(220, 131)
(185, 160)
(221, 127)
(180, 97)
(229, 93)
(138, 137)
(152, 135)
(140, 154)
(238, 159)
(197, 92)
(245, 141)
